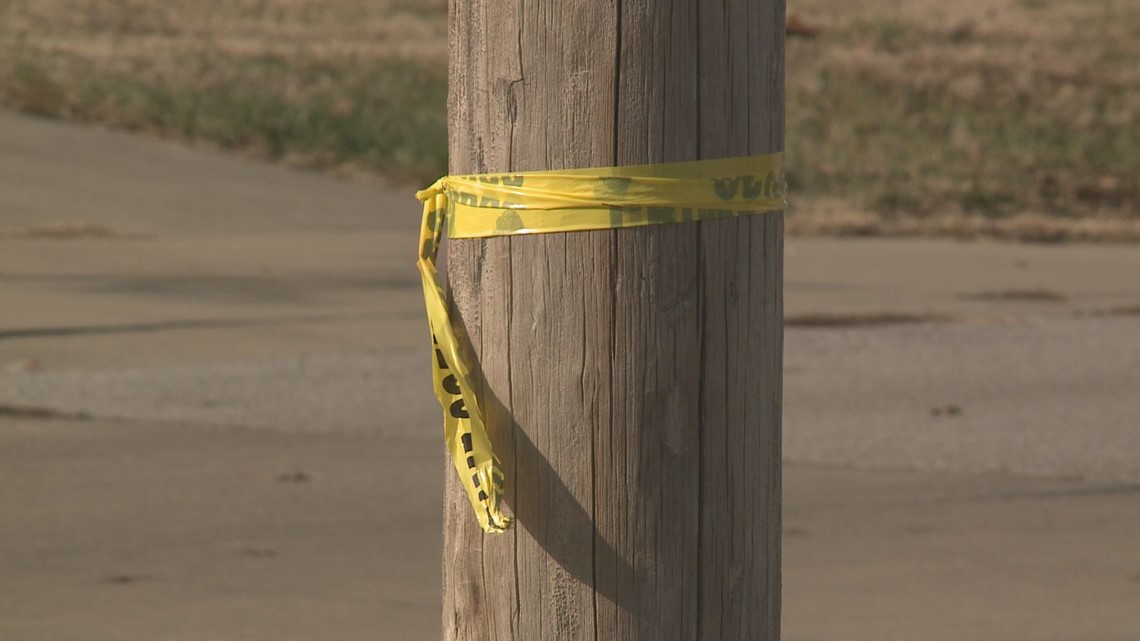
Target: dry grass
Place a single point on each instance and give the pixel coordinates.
(1006, 118)
(812, 215)
(316, 83)
(1015, 119)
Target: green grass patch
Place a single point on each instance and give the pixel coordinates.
(387, 116)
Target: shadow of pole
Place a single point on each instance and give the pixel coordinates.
(549, 513)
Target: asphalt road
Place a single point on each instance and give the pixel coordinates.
(216, 419)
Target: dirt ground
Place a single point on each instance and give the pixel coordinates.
(158, 531)
(216, 419)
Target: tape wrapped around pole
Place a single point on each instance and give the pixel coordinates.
(480, 206)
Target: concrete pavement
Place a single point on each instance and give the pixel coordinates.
(216, 421)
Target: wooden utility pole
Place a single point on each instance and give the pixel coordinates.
(631, 378)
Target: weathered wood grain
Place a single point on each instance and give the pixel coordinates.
(631, 378)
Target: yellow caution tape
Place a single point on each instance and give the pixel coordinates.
(557, 201)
